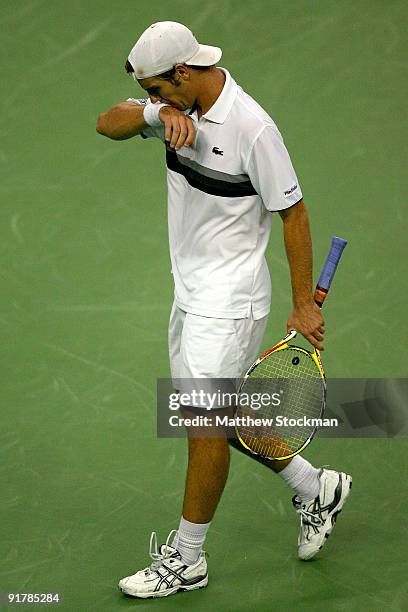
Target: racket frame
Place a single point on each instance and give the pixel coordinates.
(315, 356)
(321, 291)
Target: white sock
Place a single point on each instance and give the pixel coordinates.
(302, 477)
(190, 539)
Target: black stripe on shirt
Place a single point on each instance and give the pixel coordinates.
(209, 184)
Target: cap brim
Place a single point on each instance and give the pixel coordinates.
(205, 56)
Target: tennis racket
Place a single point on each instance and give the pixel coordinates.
(292, 382)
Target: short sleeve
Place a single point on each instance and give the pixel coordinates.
(148, 132)
(271, 171)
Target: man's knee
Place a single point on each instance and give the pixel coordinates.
(207, 424)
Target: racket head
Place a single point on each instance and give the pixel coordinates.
(297, 375)
(300, 372)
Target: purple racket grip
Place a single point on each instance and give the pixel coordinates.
(330, 266)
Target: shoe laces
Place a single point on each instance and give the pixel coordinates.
(158, 557)
(309, 518)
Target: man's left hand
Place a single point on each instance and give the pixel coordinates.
(307, 319)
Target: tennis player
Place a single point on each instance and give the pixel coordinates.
(228, 171)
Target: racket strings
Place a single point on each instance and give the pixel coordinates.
(293, 375)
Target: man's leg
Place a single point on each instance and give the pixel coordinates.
(208, 464)
(207, 473)
(276, 466)
(300, 475)
(320, 495)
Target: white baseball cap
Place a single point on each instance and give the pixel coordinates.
(165, 44)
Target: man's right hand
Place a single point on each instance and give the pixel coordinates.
(179, 128)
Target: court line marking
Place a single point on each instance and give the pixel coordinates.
(83, 41)
(15, 229)
(29, 565)
(106, 307)
(100, 367)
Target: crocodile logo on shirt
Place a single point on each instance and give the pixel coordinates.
(217, 151)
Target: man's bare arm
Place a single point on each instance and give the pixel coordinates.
(126, 120)
(122, 121)
(306, 317)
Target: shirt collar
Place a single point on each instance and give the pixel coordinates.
(220, 109)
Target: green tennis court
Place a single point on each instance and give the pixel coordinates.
(86, 292)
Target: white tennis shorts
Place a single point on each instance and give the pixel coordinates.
(205, 347)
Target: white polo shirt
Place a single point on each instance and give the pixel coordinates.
(221, 193)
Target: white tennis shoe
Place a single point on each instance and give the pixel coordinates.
(167, 574)
(317, 517)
